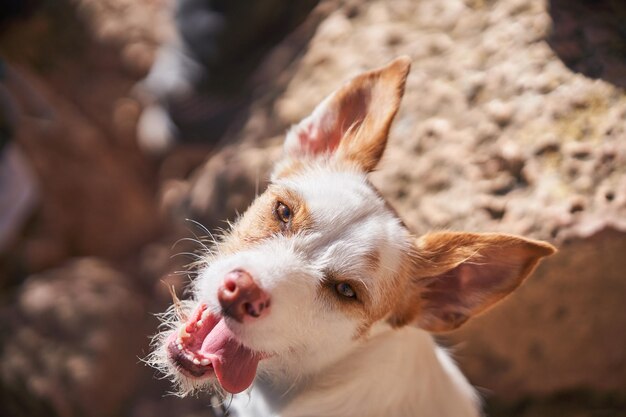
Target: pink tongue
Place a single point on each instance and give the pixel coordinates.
(234, 365)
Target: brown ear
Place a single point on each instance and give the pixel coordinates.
(354, 121)
(462, 274)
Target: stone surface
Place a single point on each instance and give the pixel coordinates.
(71, 342)
(226, 183)
(73, 157)
(483, 132)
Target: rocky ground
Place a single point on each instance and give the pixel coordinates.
(514, 120)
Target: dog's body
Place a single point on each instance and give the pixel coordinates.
(321, 299)
(395, 373)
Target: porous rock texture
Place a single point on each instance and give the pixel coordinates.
(495, 133)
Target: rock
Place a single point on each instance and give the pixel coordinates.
(228, 182)
(72, 339)
(125, 22)
(95, 199)
(500, 112)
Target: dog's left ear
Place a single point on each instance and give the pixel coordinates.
(459, 275)
(354, 121)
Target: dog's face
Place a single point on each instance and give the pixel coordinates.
(320, 258)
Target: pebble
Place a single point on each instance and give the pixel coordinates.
(500, 112)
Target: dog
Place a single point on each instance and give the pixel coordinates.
(319, 301)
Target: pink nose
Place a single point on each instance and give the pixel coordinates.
(241, 297)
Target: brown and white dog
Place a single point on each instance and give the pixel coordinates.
(319, 300)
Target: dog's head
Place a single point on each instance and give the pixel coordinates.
(320, 257)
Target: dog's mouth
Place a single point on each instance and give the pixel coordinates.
(204, 346)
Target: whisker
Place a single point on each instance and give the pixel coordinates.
(189, 239)
(190, 254)
(200, 225)
(176, 302)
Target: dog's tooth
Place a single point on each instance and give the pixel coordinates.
(205, 361)
(183, 333)
(179, 346)
(199, 324)
(196, 361)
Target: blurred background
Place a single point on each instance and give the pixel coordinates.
(120, 119)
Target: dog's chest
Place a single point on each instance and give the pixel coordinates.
(255, 402)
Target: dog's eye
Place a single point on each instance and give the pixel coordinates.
(283, 213)
(345, 289)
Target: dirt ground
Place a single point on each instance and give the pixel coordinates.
(514, 120)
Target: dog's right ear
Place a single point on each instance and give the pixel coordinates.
(459, 275)
(354, 121)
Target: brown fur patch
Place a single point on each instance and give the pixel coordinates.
(362, 331)
(372, 260)
(390, 290)
(301, 217)
(353, 307)
(260, 221)
(373, 98)
(386, 289)
(405, 307)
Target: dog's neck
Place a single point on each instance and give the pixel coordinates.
(395, 372)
